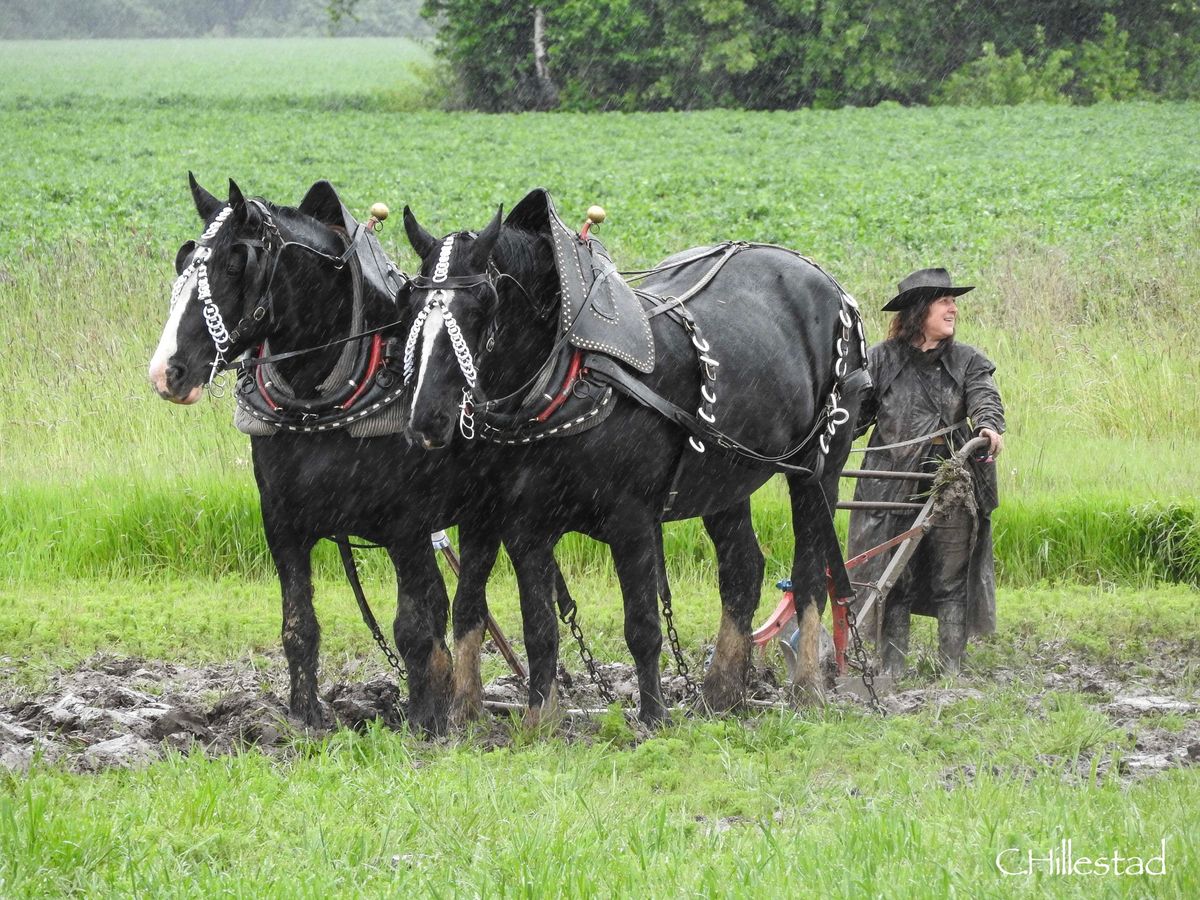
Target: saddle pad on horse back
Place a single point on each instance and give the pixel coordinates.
(599, 311)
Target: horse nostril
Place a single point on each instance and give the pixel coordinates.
(174, 374)
(434, 428)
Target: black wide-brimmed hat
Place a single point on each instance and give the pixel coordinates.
(924, 284)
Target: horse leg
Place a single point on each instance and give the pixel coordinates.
(420, 631)
(635, 554)
(808, 584)
(479, 547)
(301, 632)
(533, 560)
(740, 568)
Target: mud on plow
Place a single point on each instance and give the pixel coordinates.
(855, 673)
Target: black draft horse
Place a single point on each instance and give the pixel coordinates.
(273, 271)
(773, 321)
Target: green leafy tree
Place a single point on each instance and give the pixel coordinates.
(657, 54)
(995, 80)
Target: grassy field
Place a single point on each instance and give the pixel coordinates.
(230, 71)
(832, 801)
(1077, 224)
(129, 527)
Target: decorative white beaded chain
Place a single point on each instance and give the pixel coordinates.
(440, 300)
(212, 314)
(462, 353)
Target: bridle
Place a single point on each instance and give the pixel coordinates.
(262, 261)
(440, 289)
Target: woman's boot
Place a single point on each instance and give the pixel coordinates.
(894, 649)
(952, 634)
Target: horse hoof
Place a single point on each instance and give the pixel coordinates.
(652, 715)
(806, 696)
(545, 715)
(720, 695)
(464, 710)
(308, 714)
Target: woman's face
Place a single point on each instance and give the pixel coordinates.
(940, 319)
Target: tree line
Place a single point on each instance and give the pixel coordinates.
(755, 54)
(504, 55)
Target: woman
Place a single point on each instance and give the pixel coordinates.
(926, 382)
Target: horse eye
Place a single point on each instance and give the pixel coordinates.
(237, 262)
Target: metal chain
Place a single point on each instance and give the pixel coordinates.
(462, 353)
(835, 414)
(691, 691)
(388, 652)
(859, 655)
(585, 653)
(198, 266)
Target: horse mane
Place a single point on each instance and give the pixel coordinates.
(527, 257)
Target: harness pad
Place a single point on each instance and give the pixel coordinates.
(599, 310)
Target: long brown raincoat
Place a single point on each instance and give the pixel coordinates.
(916, 393)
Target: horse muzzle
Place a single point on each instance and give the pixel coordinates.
(165, 380)
(433, 430)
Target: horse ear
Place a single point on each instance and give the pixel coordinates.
(181, 257)
(422, 241)
(486, 242)
(236, 200)
(206, 204)
(323, 204)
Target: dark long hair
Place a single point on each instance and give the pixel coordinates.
(907, 324)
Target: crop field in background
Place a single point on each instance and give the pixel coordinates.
(239, 72)
(130, 527)
(1078, 225)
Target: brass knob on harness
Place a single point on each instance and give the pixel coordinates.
(379, 212)
(595, 215)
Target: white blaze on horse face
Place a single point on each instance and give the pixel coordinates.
(182, 293)
(435, 320)
(434, 325)
(186, 286)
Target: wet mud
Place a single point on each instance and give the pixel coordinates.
(127, 712)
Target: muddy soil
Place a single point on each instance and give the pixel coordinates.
(127, 712)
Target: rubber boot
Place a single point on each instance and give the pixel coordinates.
(952, 635)
(894, 651)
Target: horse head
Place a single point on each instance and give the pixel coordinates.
(232, 292)
(217, 274)
(454, 304)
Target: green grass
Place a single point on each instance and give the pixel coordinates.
(130, 527)
(183, 72)
(832, 801)
(773, 807)
(54, 625)
(1085, 297)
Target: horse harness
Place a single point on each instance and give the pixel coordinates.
(362, 384)
(587, 379)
